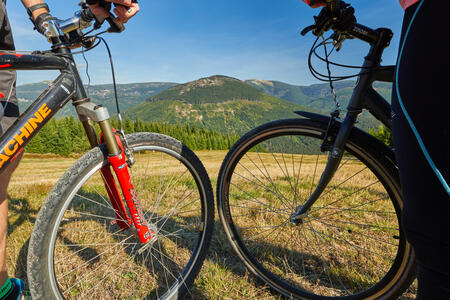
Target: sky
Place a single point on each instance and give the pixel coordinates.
(184, 40)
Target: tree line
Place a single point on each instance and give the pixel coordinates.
(66, 136)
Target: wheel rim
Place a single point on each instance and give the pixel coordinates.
(105, 262)
(337, 251)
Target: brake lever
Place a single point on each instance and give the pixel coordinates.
(307, 29)
(115, 27)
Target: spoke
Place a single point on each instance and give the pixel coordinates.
(358, 233)
(93, 215)
(355, 246)
(314, 175)
(316, 254)
(156, 205)
(171, 212)
(282, 170)
(381, 212)
(298, 180)
(263, 187)
(349, 259)
(90, 200)
(86, 275)
(264, 226)
(322, 238)
(82, 249)
(92, 231)
(362, 224)
(344, 209)
(271, 181)
(345, 197)
(344, 181)
(323, 258)
(260, 211)
(93, 258)
(145, 171)
(104, 277)
(270, 229)
(275, 191)
(93, 244)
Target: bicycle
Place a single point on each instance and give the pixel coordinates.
(133, 217)
(312, 205)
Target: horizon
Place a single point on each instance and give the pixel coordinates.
(181, 41)
(181, 83)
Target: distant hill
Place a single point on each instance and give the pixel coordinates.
(129, 94)
(218, 102)
(214, 89)
(316, 95)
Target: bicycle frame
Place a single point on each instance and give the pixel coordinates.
(68, 86)
(364, 97)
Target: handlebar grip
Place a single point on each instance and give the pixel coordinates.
(115, 27)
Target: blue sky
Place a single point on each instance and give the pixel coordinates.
(183, 40)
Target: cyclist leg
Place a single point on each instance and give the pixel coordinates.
(421, 133)
(8, 101)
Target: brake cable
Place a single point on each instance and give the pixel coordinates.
(337, 107)
(121, 131)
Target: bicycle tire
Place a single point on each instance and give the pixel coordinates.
(331, 254)
(76, 250)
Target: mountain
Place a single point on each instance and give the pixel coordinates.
(218, 102)
(129, 94)
(316, 95)
(214, 89)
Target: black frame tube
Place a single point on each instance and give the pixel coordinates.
(68, 85)
(16, 61)
(35, 117)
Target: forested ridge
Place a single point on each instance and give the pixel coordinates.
(66, 136)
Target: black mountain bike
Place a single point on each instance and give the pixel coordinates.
(133, 217)
(313, 205)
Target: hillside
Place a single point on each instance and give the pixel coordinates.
(317, 96)
(218, 102)
(214, 89)
(129, 94)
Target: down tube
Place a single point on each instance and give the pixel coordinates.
(35, 117)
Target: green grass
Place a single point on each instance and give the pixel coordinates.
(223, 275)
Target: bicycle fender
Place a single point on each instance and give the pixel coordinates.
(356, 132)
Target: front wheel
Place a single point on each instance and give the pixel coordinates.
(78, 251)
(349, 245)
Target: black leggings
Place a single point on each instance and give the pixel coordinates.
(421, 123)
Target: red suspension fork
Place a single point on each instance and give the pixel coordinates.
(88, 112)
(123, 220)
(120, 166)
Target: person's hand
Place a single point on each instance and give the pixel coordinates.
(40, 20)
(124, 11)
(315, 3)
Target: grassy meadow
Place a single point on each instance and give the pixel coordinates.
(223, 276)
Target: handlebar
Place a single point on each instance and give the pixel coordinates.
(339, 16)
(70, 29)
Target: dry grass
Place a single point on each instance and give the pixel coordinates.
(223, 276)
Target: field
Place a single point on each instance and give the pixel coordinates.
(223, 276)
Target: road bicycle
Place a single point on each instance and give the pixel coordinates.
(133, 217)
(313, 205)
